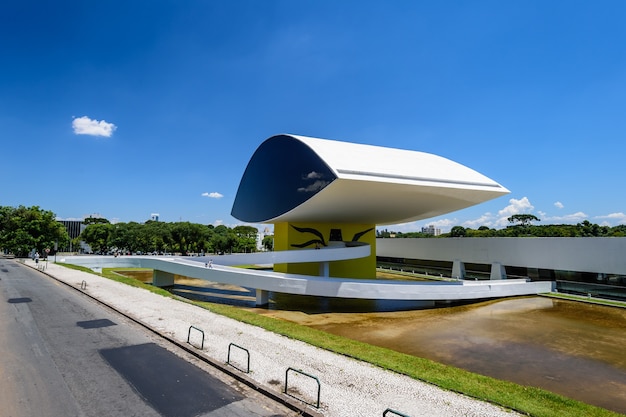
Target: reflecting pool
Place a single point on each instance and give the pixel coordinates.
(571, 348)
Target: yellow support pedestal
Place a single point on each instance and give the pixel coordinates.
(323, 236)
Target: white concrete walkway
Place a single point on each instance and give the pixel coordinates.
(315, 285)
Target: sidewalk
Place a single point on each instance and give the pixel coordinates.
(348, 387)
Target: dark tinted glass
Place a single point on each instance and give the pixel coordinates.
(282, 174)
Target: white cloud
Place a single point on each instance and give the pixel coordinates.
(86, 126)
(558, 205)
(401, 227)
(443, 223)
(311, 188)
(619, 217)
(212, 195)
(484, 220)
(567, 219)
(313, 175)
(521, 206)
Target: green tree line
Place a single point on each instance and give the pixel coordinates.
(24, 229)
(162, 237)
(521, 227)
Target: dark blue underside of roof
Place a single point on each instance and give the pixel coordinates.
(282, 174)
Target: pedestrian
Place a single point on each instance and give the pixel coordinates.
(210, 263)
(37, 257)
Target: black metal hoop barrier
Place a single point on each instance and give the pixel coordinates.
(247, 370)
(305, 374)
(189, 336)
(389, 410)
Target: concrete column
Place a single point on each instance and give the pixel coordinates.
(458, 269)
(497, 271)
(262, 297)
(162, 278)
(324, 269)
(533, 273)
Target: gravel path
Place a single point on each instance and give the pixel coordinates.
(348, 387)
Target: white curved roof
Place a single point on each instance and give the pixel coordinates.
(293, 178)
(387, 186)
(398, 166)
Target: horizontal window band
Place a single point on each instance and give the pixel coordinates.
(406, 177)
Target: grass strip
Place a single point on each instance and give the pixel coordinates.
(591, 300)
(526, 400)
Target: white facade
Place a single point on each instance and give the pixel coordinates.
(584, 254)
(431, 230)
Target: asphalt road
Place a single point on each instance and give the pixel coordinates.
(63, 354)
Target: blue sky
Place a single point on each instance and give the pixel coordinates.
(127, 108)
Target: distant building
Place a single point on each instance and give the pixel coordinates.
(154, 217)
(430, 230)
(74, 229)
(261, 237)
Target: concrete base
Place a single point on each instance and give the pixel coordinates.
(533, 273)
(324, 269)
(497, 271)
(162, 278)
(262, 297)
(458, 269)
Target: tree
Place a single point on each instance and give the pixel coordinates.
(246, 238)
(94, 220)
(197, 236)
(23, 229)
(223, 239)
(588, 229)
(457, 231)
(268, 243)
(618, 231)
(98, 236)
(180, 236)
(383, 233)
(523, 219)
(482, 231)
(523, 227)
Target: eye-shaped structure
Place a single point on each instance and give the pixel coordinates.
(294, 178)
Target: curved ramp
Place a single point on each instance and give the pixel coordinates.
(223, 271)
